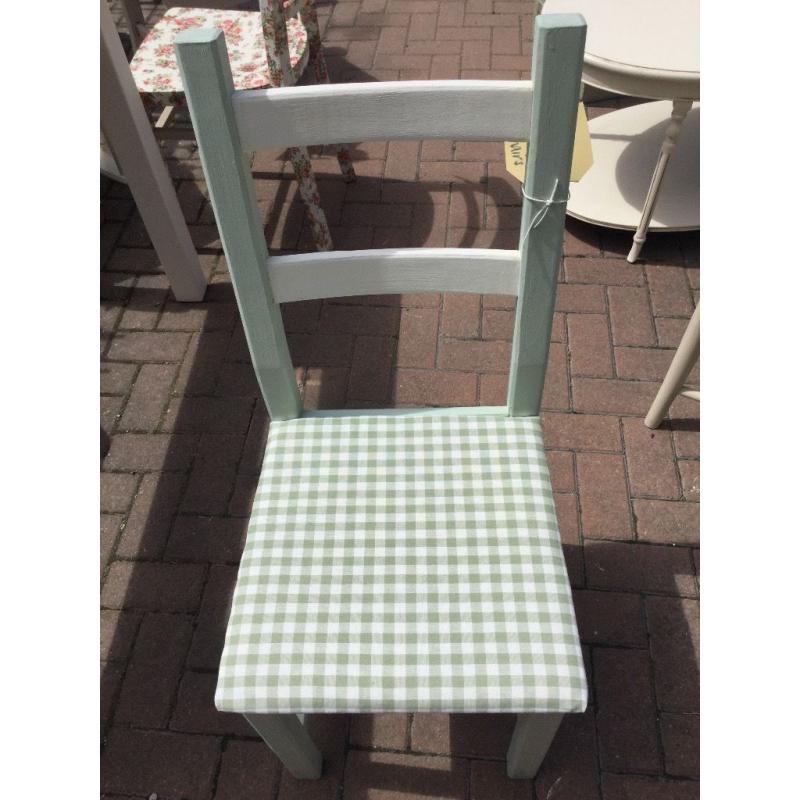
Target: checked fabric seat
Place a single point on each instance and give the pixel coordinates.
(403, 563)
(398, 560)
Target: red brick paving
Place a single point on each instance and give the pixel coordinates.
(187, 429)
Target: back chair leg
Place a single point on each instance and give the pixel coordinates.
(321, 75)
(685, 358)
(346, 163)
(289, 740)
(301, 162)
(530, 741)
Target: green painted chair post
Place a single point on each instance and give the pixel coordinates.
(558, 42)
(208, 84)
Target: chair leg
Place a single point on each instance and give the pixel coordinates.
(530, 741)
(321, 75)
(301, 162)
(345, 163)
(289, 740)
(685, 358)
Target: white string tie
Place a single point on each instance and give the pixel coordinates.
(545, 207)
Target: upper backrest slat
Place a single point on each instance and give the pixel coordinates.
(361, 112)
(229, 124)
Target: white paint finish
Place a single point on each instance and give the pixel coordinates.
(288, 738)
(680, 108)
(128, 133)
(530, 741)
(108, 165)
(346, 273)
(675, 380)
(451, 411)
(626, 146)
(641, 48)
(340, 113)
(647, 48)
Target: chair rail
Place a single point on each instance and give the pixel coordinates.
(360, 112)
(348, 273)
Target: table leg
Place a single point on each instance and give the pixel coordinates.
(530, 741)
(680, 108)
(289, 740)
(128, 132)
(675, 379)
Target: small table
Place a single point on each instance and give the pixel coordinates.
(645, 49)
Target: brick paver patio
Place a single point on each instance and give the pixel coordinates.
(187, 429)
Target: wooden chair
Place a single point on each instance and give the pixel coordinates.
(404, 560)
(267, 48)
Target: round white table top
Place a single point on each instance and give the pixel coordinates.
(647, 48)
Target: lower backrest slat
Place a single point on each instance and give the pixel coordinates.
(348, 273)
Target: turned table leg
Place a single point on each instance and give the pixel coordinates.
(680, 108)
(530, 741)
(289, 740)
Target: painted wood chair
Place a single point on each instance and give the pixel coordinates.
(267, 48)
(404, 560)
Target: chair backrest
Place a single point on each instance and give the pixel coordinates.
(229, 125)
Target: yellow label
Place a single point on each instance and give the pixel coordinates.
(517, 152)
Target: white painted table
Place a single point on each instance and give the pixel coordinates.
(651, 49)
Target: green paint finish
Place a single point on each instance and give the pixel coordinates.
(558, 41)
(205, 69)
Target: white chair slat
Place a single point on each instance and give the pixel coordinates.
(349, 273)
(360, 112)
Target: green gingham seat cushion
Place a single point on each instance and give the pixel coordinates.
(403, 563)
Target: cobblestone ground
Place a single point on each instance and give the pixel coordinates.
(187, 429)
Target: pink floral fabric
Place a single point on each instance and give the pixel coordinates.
(307, 183)
(155, 68)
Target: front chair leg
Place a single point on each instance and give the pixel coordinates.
(530, 741)
(289, 740)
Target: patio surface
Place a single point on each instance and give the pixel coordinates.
(187, 429)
